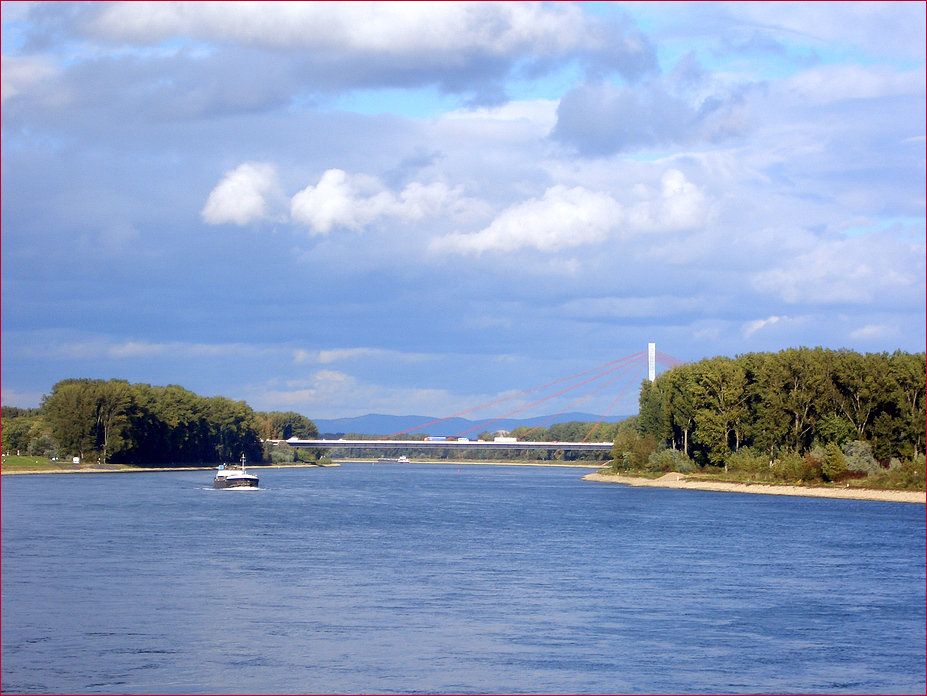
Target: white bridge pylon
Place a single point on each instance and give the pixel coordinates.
(458, 444)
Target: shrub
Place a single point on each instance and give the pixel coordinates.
(834, 464)
(792, 467)
(858, 455)
(746, 461)
(670, 460)
(631, 451)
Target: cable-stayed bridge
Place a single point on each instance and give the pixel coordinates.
(501, 443)
(614, 370)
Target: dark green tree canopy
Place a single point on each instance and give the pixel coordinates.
(793, 399)
(141, 424)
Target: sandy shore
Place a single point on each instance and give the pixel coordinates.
(680, 481)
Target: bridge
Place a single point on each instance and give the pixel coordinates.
(623, 367)
(456, 444)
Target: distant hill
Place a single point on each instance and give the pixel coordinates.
(378, 424)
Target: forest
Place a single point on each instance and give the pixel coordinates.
(802, 412)
(118, 422)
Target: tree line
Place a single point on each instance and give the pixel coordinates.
(766, 407)
(118, 422)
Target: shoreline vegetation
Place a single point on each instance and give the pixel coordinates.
(794, 421)
(671, 480)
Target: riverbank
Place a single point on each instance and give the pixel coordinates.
(126, 469)
(682, 482)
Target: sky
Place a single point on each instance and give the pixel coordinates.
(350, 208)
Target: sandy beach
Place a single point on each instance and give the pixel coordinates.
(681, 481)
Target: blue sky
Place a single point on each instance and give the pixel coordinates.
(344, 208)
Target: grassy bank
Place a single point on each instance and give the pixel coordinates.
(13, 464)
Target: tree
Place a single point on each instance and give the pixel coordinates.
(90, 417)
(721, 394)
(232, 430)
(859, 387)
(835, 464)
(277, 425)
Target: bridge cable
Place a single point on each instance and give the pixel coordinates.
(578, 401)
(515, 396)
(617, 399)
(540, 401)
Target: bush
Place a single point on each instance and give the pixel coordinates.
(631, 451)
(834, 464)
(791, 467)
(670, 460)
(746, 461)
(907, 475)
(858, 456)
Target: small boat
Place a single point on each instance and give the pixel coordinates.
(388, 460)
(235, 478)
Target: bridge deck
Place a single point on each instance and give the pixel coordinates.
(449, 444)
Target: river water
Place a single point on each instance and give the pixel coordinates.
(384, 578)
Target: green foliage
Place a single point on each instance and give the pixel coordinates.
(748, 461)
(789, 400)
(140, 424)
(90, 418)
(834, 428)
(792, 467)
(631, 450)
(908, 474)
(858, 456)
(670, 460)
(834, 465)
(16, 434)
(277, 425)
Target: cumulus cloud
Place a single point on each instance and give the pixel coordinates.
(681, 205)
(242, 196)
(340, 200)
(567, 217)
(563, 217)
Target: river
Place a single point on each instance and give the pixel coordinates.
(388, 578)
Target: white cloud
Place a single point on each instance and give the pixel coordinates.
(681, 205)
(752, 327)
(563, 217)
(242, 195)
(340, 200)
(378, 27)
(569, 217)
